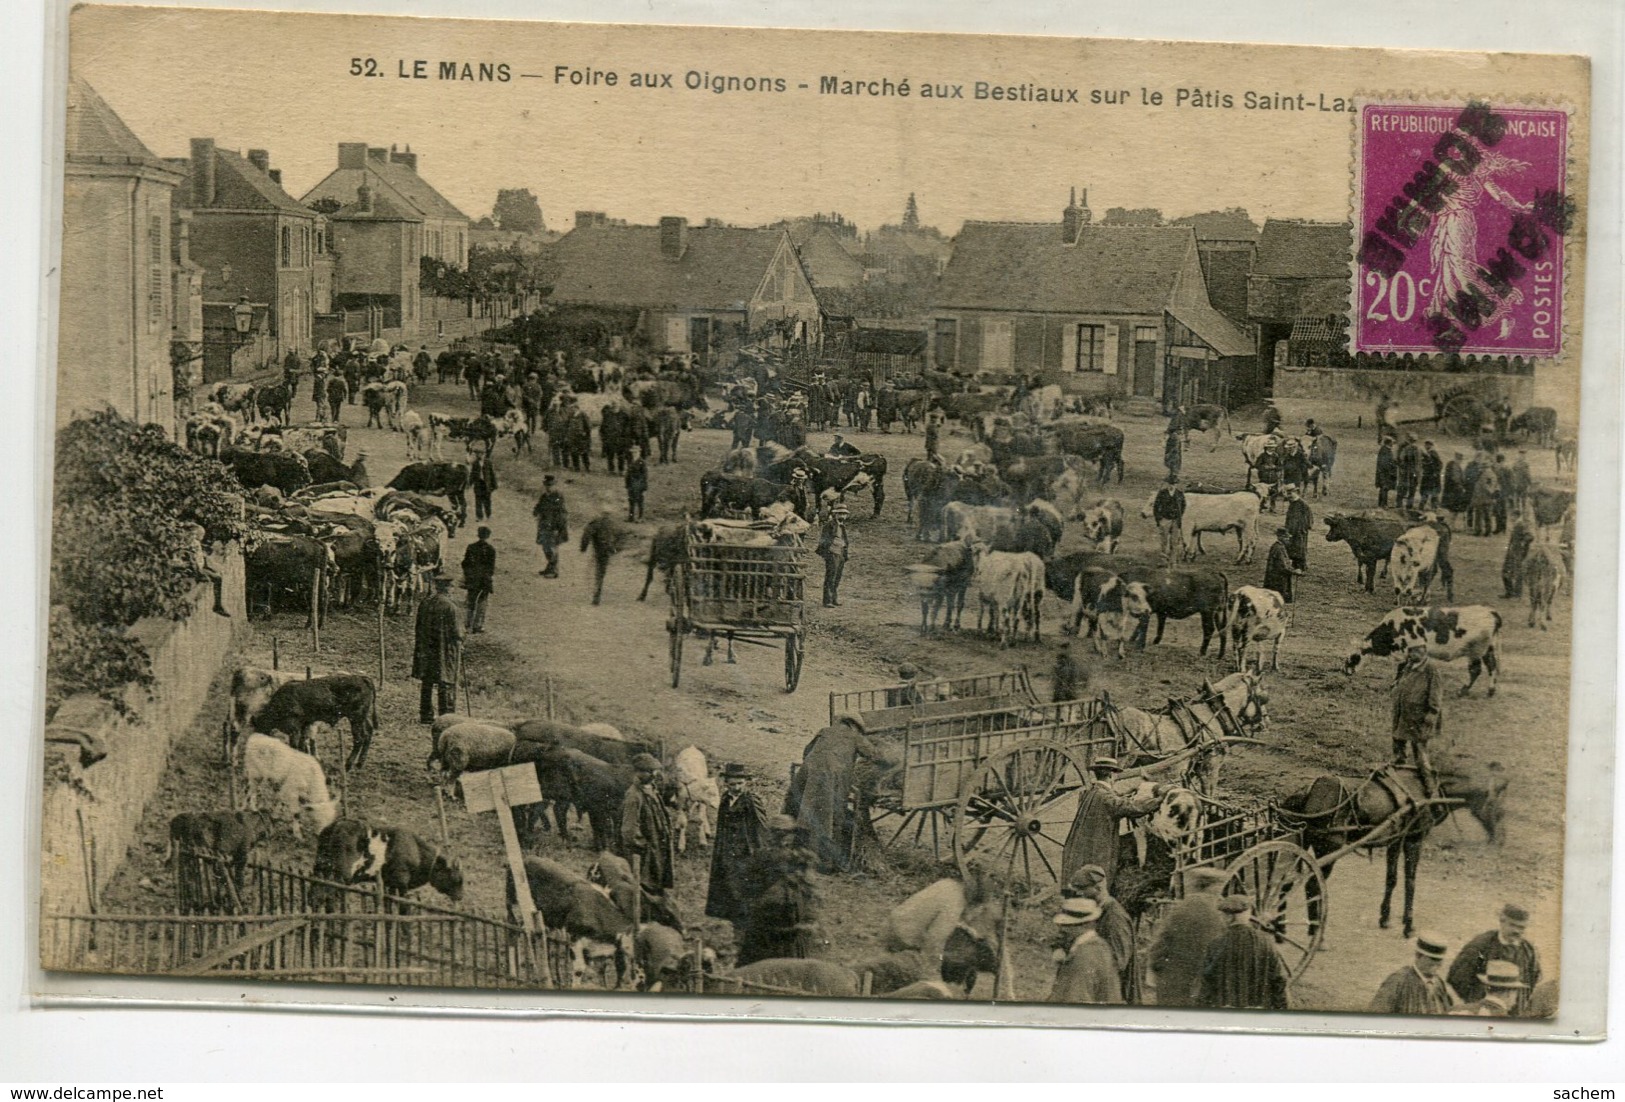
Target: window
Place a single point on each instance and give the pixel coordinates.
(1091, 348)
(287, 247)
(1145, 334)
(947, 342)
(157, 273)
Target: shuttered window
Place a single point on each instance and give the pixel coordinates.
(1091, 349)
(947, 342)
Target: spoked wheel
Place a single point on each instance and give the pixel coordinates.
(676, 631)
(794, 652)
(1015, 814)
(1287, 891)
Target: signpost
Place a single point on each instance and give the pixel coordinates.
(502, 790)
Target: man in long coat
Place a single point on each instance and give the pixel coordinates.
(1458, 492)
(437, 651)
(1387, 471)
(1279, 569)
(479, 577)
(1506, 943)
(1183, 937)
(1242, 968)
(741, 834)
(1087, 971)
(552, 525)
(646, 829)
(1093, 838)
(1299, 522)
(604, 535)
(1417, 988)
(1418, 697)
(482, 479)
(823, 784)
(782, 902)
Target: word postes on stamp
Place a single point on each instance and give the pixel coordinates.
(1462, 211)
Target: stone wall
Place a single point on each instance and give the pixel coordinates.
(111, 795)
(1341, 384)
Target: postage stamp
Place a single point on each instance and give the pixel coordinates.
(1462, 214)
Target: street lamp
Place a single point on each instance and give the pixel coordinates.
(243, 316)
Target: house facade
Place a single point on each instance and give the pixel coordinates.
(698, 289)
(392, 174)
(117, 280)
(1299, 291)
(377, 243)
(1118, 310)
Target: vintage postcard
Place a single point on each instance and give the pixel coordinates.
(555, 511)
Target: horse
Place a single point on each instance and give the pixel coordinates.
(1225, 709)
(1388, 809)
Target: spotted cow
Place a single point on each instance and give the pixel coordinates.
(1472, 632)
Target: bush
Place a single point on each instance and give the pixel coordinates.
(92, 658)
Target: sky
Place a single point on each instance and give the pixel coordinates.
(283, 82)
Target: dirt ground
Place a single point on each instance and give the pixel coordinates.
(610, 664)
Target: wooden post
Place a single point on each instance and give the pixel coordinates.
(344, 771)
(440, 806)
(276, 656)
(382, 669)
(90, 864)
(316, 610)
(547, 688)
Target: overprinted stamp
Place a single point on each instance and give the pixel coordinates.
(1462, 211)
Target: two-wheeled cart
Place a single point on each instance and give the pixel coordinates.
(751, 591)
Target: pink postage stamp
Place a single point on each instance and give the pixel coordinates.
(1462, 211)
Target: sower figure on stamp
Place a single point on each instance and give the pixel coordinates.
(437, 652)
(552, 525)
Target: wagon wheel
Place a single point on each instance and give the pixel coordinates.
(1015, 812)
(1463, 416)
(675, 628)
(881, 822)
(1287, 891)
(794, 652)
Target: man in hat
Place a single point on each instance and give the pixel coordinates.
(482, 479)
(906, 695)
(833, 545)
(1417, 988)
(1299, 522)
(1183, 937)
(818, 796)
(1387, 471)
(637, 483)
(479, 577)
(1168, 510)
(1242, 968)
(1504, 993)
(437, 651)
(605, 536)
(1505, 943)
(646, 829)
(1093, 837)
(840, 449)
(781, 902)
(1279, 569)
(1457, 493)
(552, 525)
(1069, 680)
(1417, 711)
(741, 834)
(1087, 972)
(1408, 462)
(1115, 927)
(1432, 476)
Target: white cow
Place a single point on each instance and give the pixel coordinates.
(417, 436)
(975, 522)
(1009, 588)
(1258, 616)
(1237, 512)
(1413, 563)
(1472, 632)
(287, 783)
(1103, 523)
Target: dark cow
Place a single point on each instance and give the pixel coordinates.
(1100, 444)
(867, 471)
(551, 733)
(206, 845)
(668, 549)
(1537, 421)
(275, 403)
(1371, 540)
(1472, 632)
(447, 480)
(570, 902)
(1183, 592)
(287, 472)
(348, 696)
(922, 487)
(357, 559)
(324, 468)
(478, 432)
(281, 564)
(351, 851)
(397, 500)
(721, 493)
(1549, 505)
(1033, 476)
(1028, 533)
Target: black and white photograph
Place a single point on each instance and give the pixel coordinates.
(577, 510)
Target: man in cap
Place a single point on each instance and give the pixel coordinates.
(741, 834)
(1069, 680)
(1503, 992)
(1183, 937)
(479, 577)
(1114, 926)
(1093, 838)
(1505, 943)
(1417, 988)
(781, 902)
(1457, 495)
(1279, 569)
(833, 545)
(1417, 712)
(1168, 510)
(437, 651)
(552, 525)
(1086, 973)
(1242, 968)
(482, 479)
(819, 792)
(646, 832)
(1432, 476)
(637, 482)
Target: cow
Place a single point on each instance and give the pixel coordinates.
(570, 902)
(1237, 513)
(448, 480)
(197, 839)
(1469, 631)
(845, 475)
(238, 398)
(286, 471)
(616, 751)
(721, 493)
(1009, 590)
(251, 690)
(471, 745)
(324, 468)
(1092, 442)
(411, 861)
(1257, 616)
(478, 432)
(1117, 608)
(1415, 560)
(668, 426)
(1103, 523)
(923, 484)
(961, 521)
(417, 436)
(294, 707)
(668, 549)
(289, 564)
(1371, 539)
(1543, 574)
(941, 582)
(1549, 505)
(275, 402)
(698, 797)
(1537, 421)
(1566, 453)
(1182, 592)
(1037, 475)
(615, 874)
(288, 784)
(664, 960)
(348, 851)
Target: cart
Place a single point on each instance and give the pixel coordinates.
(749, 593)
(1459, 413)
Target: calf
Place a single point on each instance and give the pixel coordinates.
(568, 901)
(411, 861)
(1117, 609)
(1472, 632)
(1371, 540)
(941, 582)
(1543, 574)
(721, 493)
(1103, 524)
(417, 436)
(289, 783)
(471, 746)
(698, 796)
(348, 851)
(1257, 617)
(1415, 560)
(209, 850)
(251, 690)
(665, 961)
(294, 707)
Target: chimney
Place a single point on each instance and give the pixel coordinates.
(260, 159)
(352, 154)
(202, 172)
(183, 236)
(405, 157)
(1083, 202)
(276, 176)
(363, 199)
(1071, 220)
(377, 153)
(673, 237)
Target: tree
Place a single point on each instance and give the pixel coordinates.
(1231, 222)
(325, 205)
(518, 210)
(1136, 216)
(911, 214)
